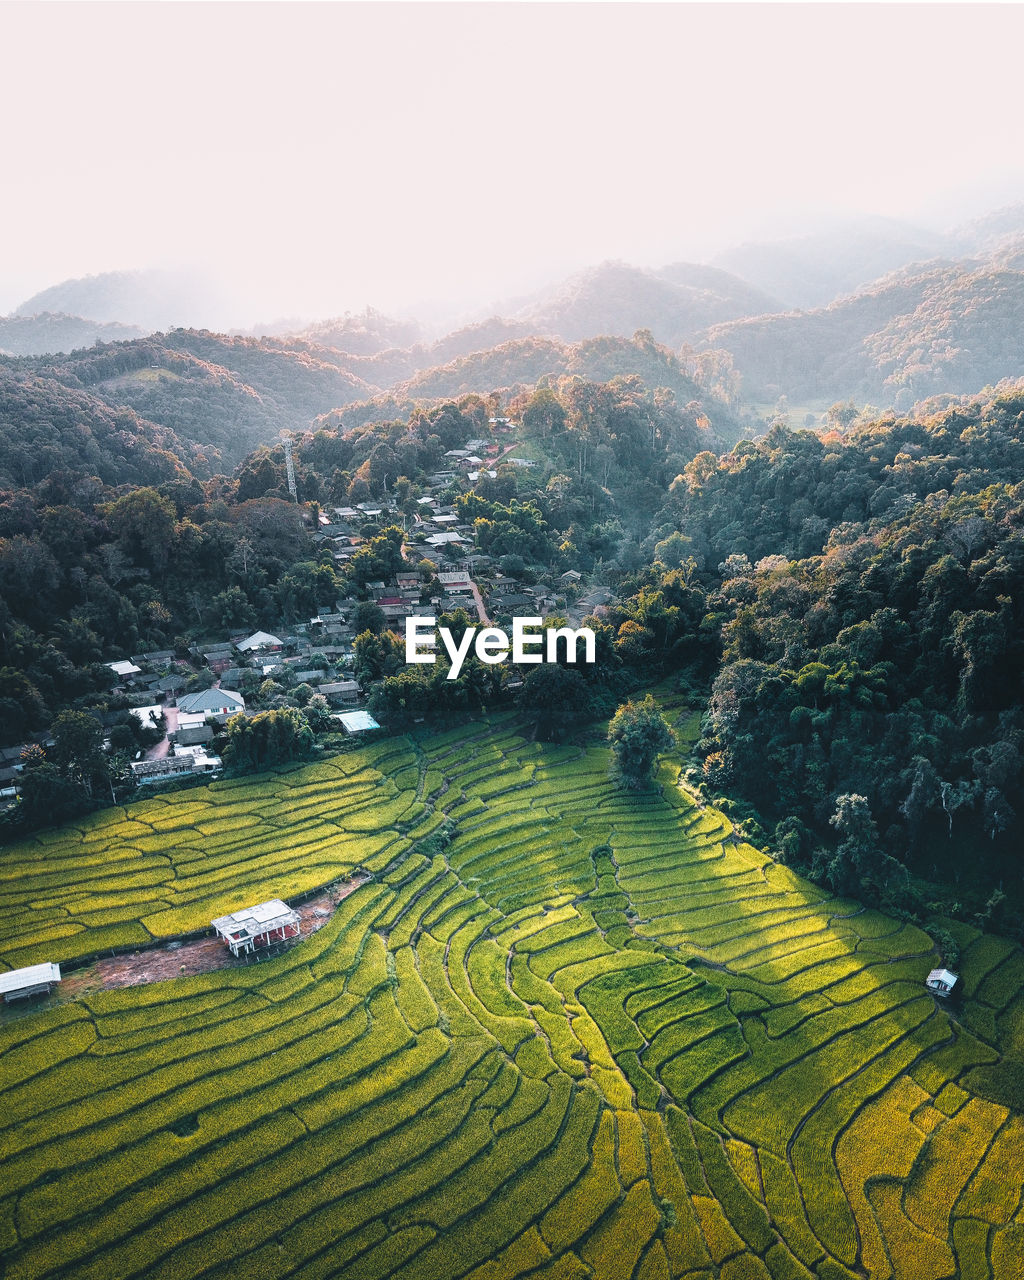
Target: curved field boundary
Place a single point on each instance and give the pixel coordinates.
(589, 1034)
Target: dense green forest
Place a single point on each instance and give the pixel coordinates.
(864, 601)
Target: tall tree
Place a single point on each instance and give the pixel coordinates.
(638, 734)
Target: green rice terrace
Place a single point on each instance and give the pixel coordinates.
(592, 1034)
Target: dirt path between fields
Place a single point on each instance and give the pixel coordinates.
(180, 958)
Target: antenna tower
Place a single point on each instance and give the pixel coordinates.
(286, 440)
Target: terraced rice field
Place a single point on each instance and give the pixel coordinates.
(595, 1036)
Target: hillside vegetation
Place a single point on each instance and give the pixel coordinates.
(229, 393)
(52, 434)
(676, 302)
(586, 1033)
(941, 327)
(37, 334)
(860, 599)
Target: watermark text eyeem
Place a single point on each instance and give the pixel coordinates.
(492, 644)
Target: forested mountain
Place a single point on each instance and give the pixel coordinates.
(991, 230)
(387, 366)
(942, 327)
(867, 597)
(228, 393)
(60, 439)
(32, 335)
(364, 334)
(930, 325)
(675, 303)
(523, 362)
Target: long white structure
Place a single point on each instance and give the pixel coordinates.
(258, 926)
(37, 978)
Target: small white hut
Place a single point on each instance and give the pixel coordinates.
(941, 981)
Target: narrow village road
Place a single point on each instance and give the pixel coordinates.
(481, 612)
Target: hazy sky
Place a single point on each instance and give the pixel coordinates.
(322, 156)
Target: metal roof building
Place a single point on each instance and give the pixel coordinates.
(357, 721)
(258, 640)
(212, 702)
(32, 981)
(941, 981)
(258, 926)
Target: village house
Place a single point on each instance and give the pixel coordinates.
(343, 691)
(196, 708)
(170, 684)
(124, 670)
(397, 608)
(155, 658)
(456, 584)
(151, 772)
(307, 677)
(193, 736)
(942, 981)
(232, 676)
(478, 560)
(197, 754)
(513, 600)
(260, 642)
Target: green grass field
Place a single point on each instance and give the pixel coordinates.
(596, 1036)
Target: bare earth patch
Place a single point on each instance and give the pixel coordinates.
(178, 959)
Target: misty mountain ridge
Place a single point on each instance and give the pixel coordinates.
(938, 326)
(946, 322)
(676, 302)
(991, 231)
(148, 300)
(32, 335)
(810, 271)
